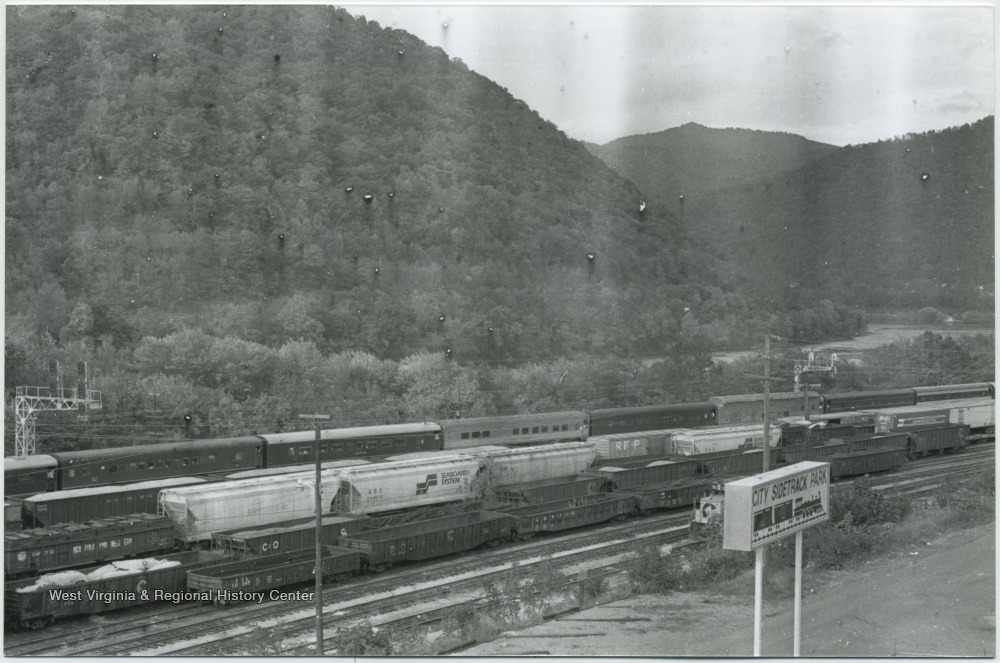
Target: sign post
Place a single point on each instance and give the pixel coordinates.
(770, 506)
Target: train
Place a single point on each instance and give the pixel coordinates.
(120, 465)
(258, 562)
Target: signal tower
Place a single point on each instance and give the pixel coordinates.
(30, 401)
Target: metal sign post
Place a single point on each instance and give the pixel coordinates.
(771, 506)
(319, 529)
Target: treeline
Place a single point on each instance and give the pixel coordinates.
(229, 386)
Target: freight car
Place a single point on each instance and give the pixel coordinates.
(427, 539)
(34, 551)
(30, 605)
(296, 535)
(82, 504)
(942, 439)
(724, 438)
(404, 484)
(200, 511)
(220, 457)
(254, 579)
(635, 444)
(537, 463)
(569, 513)
(978, 413)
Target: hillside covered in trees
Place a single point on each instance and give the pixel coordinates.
(904, 223)
(246, 212)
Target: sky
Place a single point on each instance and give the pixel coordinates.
(835, 74)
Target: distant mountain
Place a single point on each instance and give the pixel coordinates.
(689, 158)
(903, 223)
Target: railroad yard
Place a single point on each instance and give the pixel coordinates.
(547, 576)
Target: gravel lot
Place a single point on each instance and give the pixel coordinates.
(938, 599)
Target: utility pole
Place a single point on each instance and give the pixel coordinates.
(319, 529)
(767, 402)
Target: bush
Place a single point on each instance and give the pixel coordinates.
(363, 640)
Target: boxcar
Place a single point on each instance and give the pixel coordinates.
(611, 421)
(228, 582)
(37, 607)
(29, 475)
(514, 430)
(297, 535)
(571, 513)
(638, 443)
(978, 413)
(101, 467)
(865, 400)
(551, 490)
(82, 504)
(426, 539)
(749, 408)
(350, 443)
(75, 544)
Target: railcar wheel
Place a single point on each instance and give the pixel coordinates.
(35, 624)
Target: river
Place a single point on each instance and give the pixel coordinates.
(878, 334)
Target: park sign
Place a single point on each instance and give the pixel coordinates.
(769, 506)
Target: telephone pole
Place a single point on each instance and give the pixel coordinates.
(319, 539)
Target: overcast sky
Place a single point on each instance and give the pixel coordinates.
(831, 73)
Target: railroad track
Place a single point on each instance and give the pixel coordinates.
(192, 629)
(154, 633)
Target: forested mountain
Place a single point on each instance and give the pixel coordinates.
(276, 173)
(244, 212)
(902, 223)
(692, 158)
